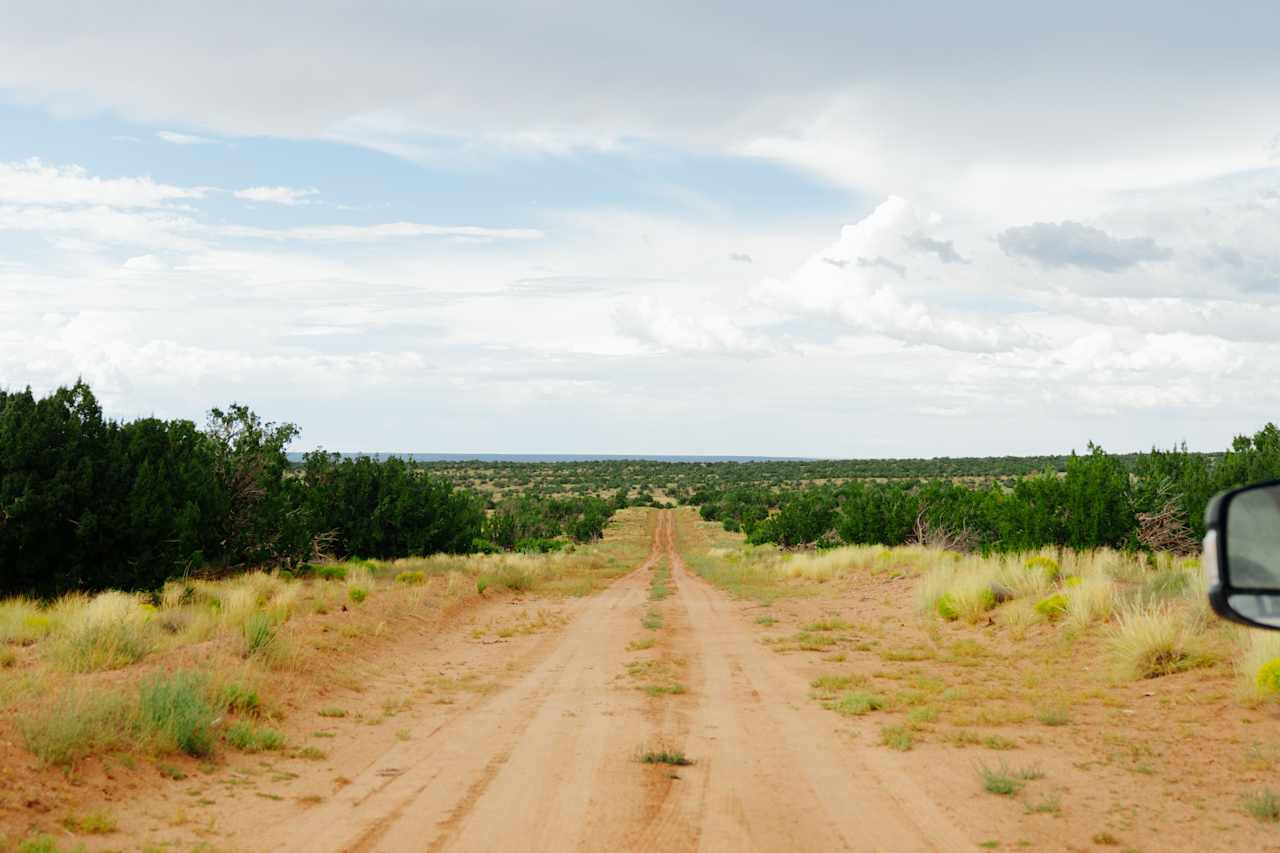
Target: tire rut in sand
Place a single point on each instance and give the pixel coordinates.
(550, 762)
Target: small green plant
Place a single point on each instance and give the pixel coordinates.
(1268, 678)
(331, 573)
(640, 645)
(922, 715)
(828, 625)
(170, 771)
(897, 737)
(946, 608)
(1264, 805)
(1052, 606)
(259, 634)
(674, 758)
(174, 711)
(332, 711)
(1056, 715)
(766, 620)
(652, 620)
(411, 578)
(856, 703)
(664, 689)
(312, 753)
(39, 844)
(240, 699)
(998, 742)
(97, 822)
(247, 738)
(831, 684)
(1000, 780)
(357, 594)
(1051, 804)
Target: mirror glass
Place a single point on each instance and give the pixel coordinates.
(1263, 609)
(1253, 545)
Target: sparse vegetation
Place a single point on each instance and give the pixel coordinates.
(1000, 780)
(674, 758)
(97, 822)
(1263, 805)
(856, 703)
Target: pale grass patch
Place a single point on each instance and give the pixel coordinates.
(108, 631)
(23, 621)
(1151, 640)
(1093, 599)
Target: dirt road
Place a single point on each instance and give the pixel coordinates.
(551, 761)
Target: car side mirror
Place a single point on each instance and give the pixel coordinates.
(1242, 554)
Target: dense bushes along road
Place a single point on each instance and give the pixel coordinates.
(1152, 501)
(87, 503)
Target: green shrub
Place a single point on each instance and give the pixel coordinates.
(1268, 678)
(946, 608)
(174, 712)
(331, 573)
(1052, 606)
(357, 594)
(1047, 566)
(258, 633)
(411, 578)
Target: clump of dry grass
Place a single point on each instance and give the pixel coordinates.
(108, 631)
(23, 622)
(1155, 639)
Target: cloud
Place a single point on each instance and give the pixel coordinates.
(183, 138)
(288, 196)
(36, 182)
(378, 233)
(878, 261)
(692, 329)
(740, 257)
(825, 287)
(1072, 244)
(944, 249)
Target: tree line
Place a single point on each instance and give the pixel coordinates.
(88, 503)
(1151, 501)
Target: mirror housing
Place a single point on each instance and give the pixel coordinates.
(1242, 554)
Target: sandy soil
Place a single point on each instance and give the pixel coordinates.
(460, 739)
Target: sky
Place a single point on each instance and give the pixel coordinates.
(809, 229)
